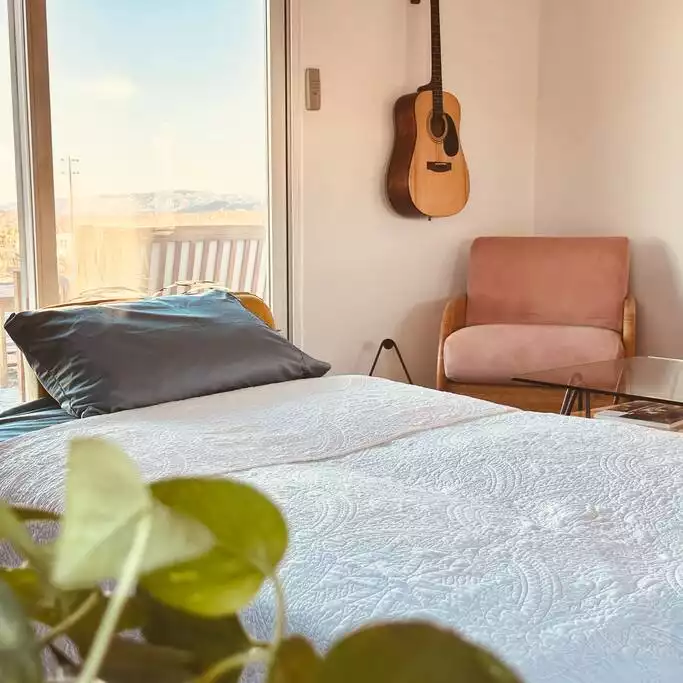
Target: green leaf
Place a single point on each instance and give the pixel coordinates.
(30, 591)
(128, 661)
(83, 632)
(105, 501)
(251, 540)
(14, 530)
(40, 604)
(25, 584)
(411, 653)
(242, 519)
(295, 662)
(209, 640)
(19, 653)
(213, 585)
(28, 514)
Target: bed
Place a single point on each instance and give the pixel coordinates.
(557, 542)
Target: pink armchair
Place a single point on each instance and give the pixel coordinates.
(534, 303)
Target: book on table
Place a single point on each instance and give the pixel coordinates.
(646, 413)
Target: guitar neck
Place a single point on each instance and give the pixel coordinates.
(437, 69)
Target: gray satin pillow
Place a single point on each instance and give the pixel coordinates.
(112, 357)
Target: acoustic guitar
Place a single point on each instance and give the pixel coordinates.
(428, 173)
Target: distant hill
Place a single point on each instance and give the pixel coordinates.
(167, 201)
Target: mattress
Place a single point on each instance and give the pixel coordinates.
(556, 542)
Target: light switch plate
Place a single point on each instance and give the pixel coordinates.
(313, 90)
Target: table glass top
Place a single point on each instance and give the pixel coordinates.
(657, 379)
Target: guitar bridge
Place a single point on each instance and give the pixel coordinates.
(439, 166)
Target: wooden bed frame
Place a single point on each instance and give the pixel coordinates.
(34, 389)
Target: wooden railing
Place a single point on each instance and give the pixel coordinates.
(151, 259)
(232, 256)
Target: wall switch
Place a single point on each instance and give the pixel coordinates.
(313, 90)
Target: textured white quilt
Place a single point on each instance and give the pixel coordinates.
(557, 542)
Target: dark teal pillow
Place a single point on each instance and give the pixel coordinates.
(111, 357)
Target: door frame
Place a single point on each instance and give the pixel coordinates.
(34, 162)
(279, 200)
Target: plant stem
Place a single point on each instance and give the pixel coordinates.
(279, 613)
(238, 661)
(89, 603)
(126, 583)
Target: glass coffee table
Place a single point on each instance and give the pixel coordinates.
(640, 378)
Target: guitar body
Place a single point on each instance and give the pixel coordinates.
(428, 174)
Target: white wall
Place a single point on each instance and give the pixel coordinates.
(363, 273)
(610, 145)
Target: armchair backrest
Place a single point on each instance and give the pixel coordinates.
(548, 281)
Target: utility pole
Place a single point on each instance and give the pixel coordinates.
(71, 171)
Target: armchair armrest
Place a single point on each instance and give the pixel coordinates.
(453, 319)
(628, 332)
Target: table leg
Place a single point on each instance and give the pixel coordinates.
(569, 401)
(588, 404)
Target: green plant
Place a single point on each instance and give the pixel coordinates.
(187, 555)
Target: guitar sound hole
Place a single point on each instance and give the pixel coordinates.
(438, 126)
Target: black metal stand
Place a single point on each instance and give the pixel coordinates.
(388, 345)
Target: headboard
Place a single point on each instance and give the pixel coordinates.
(34, 389)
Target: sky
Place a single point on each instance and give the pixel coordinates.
(151, 95)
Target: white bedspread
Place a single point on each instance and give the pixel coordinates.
(557, 542)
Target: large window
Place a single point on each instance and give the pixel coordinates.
(165, 123)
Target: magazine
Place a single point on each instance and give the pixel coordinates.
(646, 413)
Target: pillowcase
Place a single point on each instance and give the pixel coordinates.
(111, 357)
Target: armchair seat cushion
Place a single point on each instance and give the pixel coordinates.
(494, 354)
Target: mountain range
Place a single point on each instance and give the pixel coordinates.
(166, 201)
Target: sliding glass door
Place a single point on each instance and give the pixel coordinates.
(166, 129)
(160, 143)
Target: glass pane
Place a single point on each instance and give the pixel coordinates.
(10, 260)
(159, 124)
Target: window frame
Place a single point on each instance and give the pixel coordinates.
(33, 151)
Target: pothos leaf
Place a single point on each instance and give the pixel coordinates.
(411, 653)
(28, 588)
(105, 500)
(133, 662)
(14, 530)
(209, 640)
(19, 652)
(251, 539)
(83, 632)
(295, 662)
